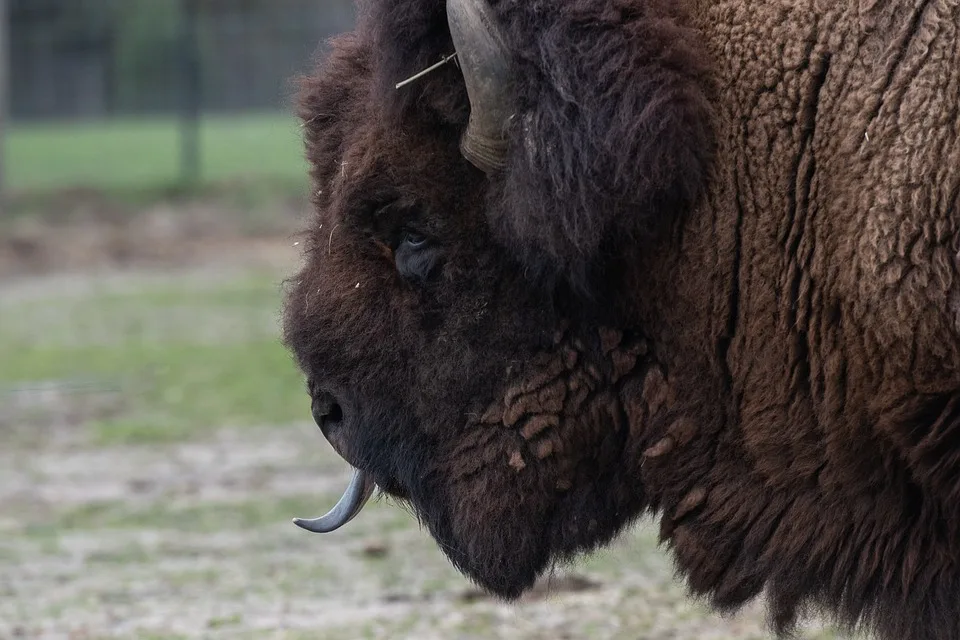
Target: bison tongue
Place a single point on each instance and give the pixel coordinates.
(357, 493)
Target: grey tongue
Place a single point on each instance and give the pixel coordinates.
(357, 493)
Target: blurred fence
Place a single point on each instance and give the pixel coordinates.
(124, 92)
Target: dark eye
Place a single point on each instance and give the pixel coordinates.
(413, 240)
(417, 256)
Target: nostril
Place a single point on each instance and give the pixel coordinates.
(336, 413)
(326, 410)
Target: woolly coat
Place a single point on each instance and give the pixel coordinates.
(719, 279)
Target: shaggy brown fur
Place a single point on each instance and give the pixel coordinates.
(719, 280)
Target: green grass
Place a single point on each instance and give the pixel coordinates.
(145, 153)
(156, 362)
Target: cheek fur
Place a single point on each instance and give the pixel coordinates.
(536, 476)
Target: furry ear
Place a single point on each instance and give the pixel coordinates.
(613, 132)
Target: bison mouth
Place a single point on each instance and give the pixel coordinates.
(350, 504)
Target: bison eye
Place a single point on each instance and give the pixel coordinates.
(417, 256)
(413, 240)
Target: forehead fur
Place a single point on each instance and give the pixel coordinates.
(360, 131)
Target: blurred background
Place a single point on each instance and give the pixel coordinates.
(150, 94)
(155, 437)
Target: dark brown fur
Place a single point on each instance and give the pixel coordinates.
(718, 280)
(604, 83)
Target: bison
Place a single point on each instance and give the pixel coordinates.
(618, 257)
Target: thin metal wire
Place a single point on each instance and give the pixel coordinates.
(429, 69)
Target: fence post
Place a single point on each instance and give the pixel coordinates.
(4, 95)
(189, 92)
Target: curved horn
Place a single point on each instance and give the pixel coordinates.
(354, 498)
(485, 61)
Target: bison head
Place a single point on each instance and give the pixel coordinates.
(465, 316)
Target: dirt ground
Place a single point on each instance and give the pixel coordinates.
(193, 539)
(80, 230)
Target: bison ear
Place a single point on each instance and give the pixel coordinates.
(484, 59)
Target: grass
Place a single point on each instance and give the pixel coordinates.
(144, 154)
(157, 362)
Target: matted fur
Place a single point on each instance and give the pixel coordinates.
(719, 280)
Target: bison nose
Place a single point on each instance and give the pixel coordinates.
(326, 412)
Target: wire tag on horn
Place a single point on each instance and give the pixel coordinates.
(429, 69)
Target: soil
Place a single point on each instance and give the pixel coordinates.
(81, 231)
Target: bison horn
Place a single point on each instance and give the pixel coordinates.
(356, 495)
(485, 61)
